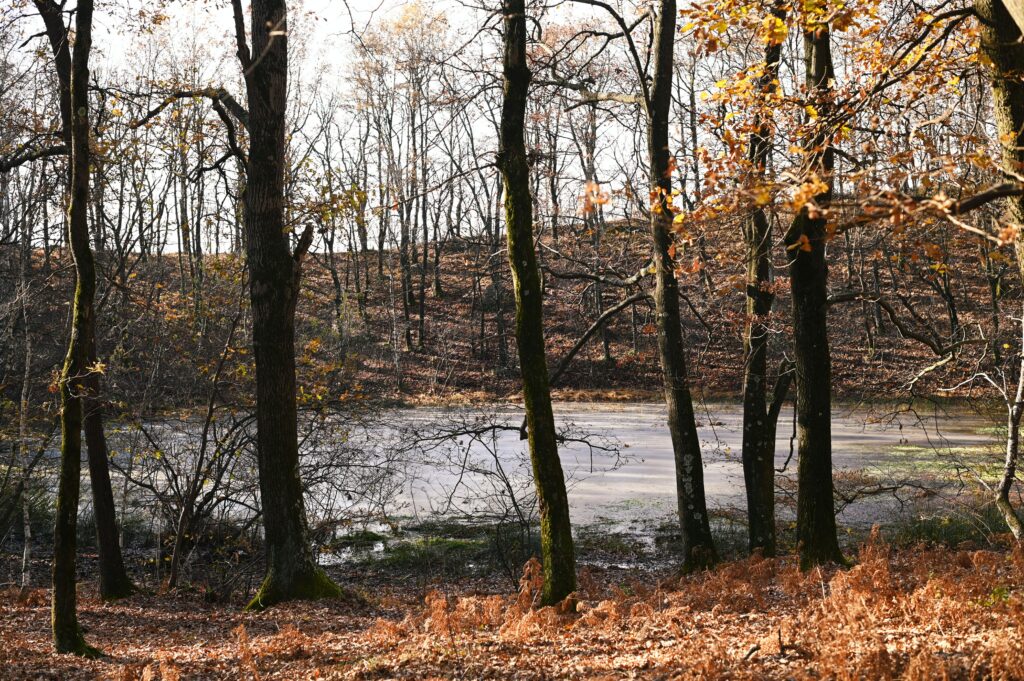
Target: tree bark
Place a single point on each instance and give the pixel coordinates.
(759, 422)
(1015, 9)
(556, 531)
(1014, 411)
(698, 545)
(1001, 36)
(73, 76)
(114, 580)
(274, 273)
(421, 331)
(806, 242)
(23, 416)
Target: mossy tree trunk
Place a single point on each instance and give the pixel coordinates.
(556, 531)
(806, 243)
(73, 76)
(1001, 42)
(114, 581)
(698, 545)
(760, 418)
(274, 273)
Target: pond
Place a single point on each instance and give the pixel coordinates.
(920, 447)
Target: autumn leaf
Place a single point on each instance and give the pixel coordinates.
(774, 30)
(594, 198)
(762, 196)
(803, 243)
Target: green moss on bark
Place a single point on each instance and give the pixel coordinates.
(558, 553)
(70, 640)
(312, 586)
(698, 545)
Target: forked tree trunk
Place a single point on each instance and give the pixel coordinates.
(274, 272)
(759, 420)
(698, 545)
(67, 635)
(556, 532)
(806, 242)
(114, 581)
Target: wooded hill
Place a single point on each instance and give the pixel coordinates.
(157, 321)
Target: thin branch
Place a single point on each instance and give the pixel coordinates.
(244, 56)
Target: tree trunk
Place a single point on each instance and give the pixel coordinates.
(1015, 410)
(23, 415)
(26, 552)
(759, 423)
(556, 532)
(698, 545)
(438, 289)
(274, 273)
(1001, 43)
(181, 530)
(114, 580)
(496, 283)
(73, 75)
(406, 267)
(339, 294)
(806, 242)
(553, 182)
(425, 262)
(384, 211)
(994, 277)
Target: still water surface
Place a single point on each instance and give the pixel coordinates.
(644, 484)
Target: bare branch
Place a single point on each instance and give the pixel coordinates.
(23, 156)
(215, 94)
(244, 56)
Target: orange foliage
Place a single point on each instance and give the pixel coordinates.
(924, 613)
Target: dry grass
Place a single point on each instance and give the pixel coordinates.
(911, 614)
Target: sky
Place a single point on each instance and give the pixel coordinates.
(326, 25)
(322, 35)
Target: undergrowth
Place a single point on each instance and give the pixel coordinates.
(924, 612)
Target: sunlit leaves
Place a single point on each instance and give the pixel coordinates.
(594, 198)
(663, 202)
(898, 91)
(801, 244)
(774, 30)
(762, 196)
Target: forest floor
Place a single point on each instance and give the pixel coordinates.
(914, 613)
